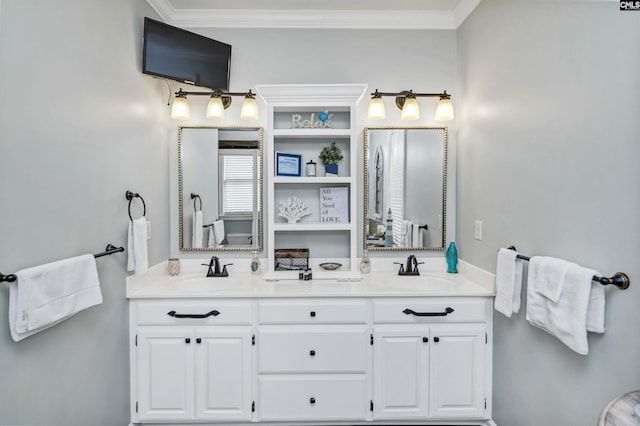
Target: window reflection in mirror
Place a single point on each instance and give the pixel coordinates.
(223, 167)
(405, 173)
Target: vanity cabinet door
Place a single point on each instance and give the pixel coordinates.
(457, 371)
(223, 373)
(401, 366)
(165, 373)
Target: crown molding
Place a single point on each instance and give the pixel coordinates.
(315, 19)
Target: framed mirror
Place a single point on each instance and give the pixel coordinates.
(220, 188)
(405, 178)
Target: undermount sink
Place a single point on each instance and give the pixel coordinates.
(425, 281)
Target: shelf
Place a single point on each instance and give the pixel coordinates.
(307, 180)
(311, 133)
(312, 226)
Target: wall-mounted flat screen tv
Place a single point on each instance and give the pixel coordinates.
(181, 55)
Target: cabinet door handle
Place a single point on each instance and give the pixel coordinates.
(312, 313)
(436, 339)
(198, 340)
(426, 339)
(312, 353)
(187, 340)
(312, 400)
(444, 313)
(208, 314)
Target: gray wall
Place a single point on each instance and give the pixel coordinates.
(65, 169)
(547, 158)
(80, 125)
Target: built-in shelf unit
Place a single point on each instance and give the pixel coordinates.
(297, 127)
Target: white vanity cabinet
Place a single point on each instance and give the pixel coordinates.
(431, 358)
(191, 360)
(302, 359)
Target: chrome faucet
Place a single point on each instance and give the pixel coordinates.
(214, 268)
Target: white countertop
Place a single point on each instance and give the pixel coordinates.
(156, 284)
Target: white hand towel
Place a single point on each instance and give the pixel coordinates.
(416, 235)
(211, 239)
(580, 307)
(218, 229)
(405, 233)
(508, 282)
(138, 258)
(46, 295)
(197, 230)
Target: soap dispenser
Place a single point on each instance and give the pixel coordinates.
(365, 263)
(452, 258)
(255, 264)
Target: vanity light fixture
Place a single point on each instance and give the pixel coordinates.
(407, 102)
(218, 102)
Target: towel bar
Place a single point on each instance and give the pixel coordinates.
(110, 249)
(619, 279)
(130, 196)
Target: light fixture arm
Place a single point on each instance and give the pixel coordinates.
(226, 97)
(400, 100)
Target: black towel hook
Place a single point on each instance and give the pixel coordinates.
(196, 197)
(130, 196)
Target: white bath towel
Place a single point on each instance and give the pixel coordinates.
(416, 235)
(138, 257)
(508, 282)
(211, 239)
(197, 230)
(46, 295)
(548, 274)
(405, 233)
(579, 309)
(218, 229)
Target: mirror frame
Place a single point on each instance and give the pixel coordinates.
(365, 222)
(258, 247)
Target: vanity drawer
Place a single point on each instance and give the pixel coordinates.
(203, 312)
(305, 311)
(313, 349)
(463, 310)
(313, 398)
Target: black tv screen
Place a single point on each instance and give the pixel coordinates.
(181, 55)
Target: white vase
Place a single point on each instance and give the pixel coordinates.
(292, 220)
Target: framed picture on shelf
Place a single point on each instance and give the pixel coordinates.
(288, 164)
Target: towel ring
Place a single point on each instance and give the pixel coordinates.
(196, 197)
(130, 196)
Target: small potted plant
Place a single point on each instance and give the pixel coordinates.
(330, 156)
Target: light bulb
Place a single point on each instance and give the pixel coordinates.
(249, 110)
(180, 109)
(376, 109)
(410, 110)
(215, 109)
(444, 111)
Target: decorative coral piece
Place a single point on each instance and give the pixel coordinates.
(293, 209)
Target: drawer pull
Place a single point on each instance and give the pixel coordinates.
(446, 312)
(208, 314)
(426, 339)
(187, 340)
(312, 400)
(312, 313)
(312, 353)
(436, 339)
(198, 340)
